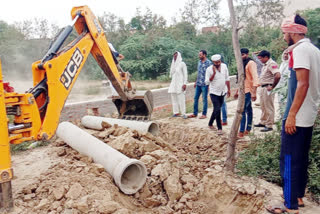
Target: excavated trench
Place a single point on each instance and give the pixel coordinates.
(185, 175)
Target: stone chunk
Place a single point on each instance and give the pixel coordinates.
(162, 170)
(43, 203)
(173, 186)
(59, 192)
(108, 207)
(151, 202)
(74, 191)
(61, 152)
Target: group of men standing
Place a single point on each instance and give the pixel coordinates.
(213, 79)
(303, 98)
(268, 80)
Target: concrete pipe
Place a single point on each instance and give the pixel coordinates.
(129, 174)
(94, 122)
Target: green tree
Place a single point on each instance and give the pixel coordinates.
(263, 13)
(10, 39)
(41, 28)
(182, 30)
(147, 57)
(200, 12)
(25, 27)
(268, 12)
(313, 20)
(147, 21)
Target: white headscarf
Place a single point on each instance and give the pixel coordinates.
(175, 64)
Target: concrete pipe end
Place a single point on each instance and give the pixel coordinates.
(91, 122)
(154, 129)
(130, 175)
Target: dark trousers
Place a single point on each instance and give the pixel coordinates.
(294, 158)
(246, 114)
(217, 102)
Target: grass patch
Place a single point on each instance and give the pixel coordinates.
(20, 147)
(14, 148)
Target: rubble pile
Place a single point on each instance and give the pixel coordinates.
(185, 175)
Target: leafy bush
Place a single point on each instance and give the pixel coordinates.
(313, 19)
(164, 78)
(314, 158)
(261, 159)
(193, 77)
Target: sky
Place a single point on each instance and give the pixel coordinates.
(58, 11)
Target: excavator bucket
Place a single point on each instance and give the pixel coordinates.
(137, 108)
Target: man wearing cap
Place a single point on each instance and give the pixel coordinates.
(200, 86)
(217, 77)
(301, 111)
(251, 83)
(270, 76)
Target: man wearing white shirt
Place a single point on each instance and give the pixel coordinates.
(217, 77)
(302, 108)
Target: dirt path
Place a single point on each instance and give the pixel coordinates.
(29, 165)
(232, 106)
(185, 175)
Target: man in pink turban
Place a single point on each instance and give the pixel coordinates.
(300, 113)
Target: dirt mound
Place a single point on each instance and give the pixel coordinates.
(185, 175)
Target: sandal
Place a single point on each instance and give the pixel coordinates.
(212, 127)
(299, 205)
(278, 209)
(191, 116)
(203, 117)
(219, 132)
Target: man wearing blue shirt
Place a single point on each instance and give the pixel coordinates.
(200, 85)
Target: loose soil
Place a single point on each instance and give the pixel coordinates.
(185, 165)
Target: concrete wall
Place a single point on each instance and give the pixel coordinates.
(161, 100)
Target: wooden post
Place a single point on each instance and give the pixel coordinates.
(230, 162)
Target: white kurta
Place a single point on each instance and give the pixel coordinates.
(179, 77)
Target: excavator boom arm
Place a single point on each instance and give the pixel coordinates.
(37, 112)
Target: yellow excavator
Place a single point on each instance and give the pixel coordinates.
(35, 114)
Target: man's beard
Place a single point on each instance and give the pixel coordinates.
(290, 42)
(217, 66)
